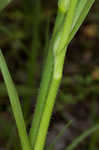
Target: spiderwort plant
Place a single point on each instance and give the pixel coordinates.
(70, 15)
(56, 75)
(63, 33)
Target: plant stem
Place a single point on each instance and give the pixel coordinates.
(55, 79)
(60, 134)
(35, 44)
(44, 86)
(14, 100)
(23, 91)
(46, 114)
(35, 29)
(41, 99)
(65, 33)
(74, 144)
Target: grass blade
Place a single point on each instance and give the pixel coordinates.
(82, 137)
(81, 18)
(51, 146)
(22, 90)
(14, 100)
(55, 82)
(41, 99)
(79, 11)
(80, 14)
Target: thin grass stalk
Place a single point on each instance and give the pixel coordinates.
(47, 72)
(32, 60)
(41, 99)
(51, 146)
(82, 16)
(79, 11)
(44, 86)
(23, 91)
(47, 38)
(44, 122)
(78, 140)
(16, 107)
(35, 44)
(55, 82)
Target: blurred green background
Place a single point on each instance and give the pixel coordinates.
(25, 30)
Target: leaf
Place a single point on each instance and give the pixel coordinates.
(51, 146)
(15, 103)
(82, 15)
(79, 139)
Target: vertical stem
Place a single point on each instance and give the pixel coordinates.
(44, 86)
(58, 61)
(32, 63)
(39, 145)
(32, 60)
(41, 99)
(62, 35)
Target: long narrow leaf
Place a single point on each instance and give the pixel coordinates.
(79, 11)
(81, 18)
(14, 100)
(80, 14)
(55, 82)
(51, 146)
(82, 137)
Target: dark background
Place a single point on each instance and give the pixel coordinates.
(25, 29)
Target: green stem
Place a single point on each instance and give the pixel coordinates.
(35, 41)
(60, 134)
(78, 140)
(14, 100)
(65, 30)
(46, 114)
(23, 91)
(62, 36)
(44, 86)
(41, 99)
(55, 81)
(35, 44)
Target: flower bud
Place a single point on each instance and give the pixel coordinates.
(63, 5)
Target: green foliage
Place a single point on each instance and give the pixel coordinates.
(70, 16)
(63, 5)
(51, 146)
(82, 137)
(14, 100)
